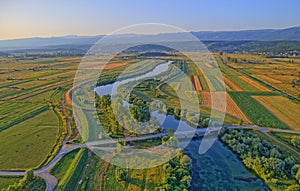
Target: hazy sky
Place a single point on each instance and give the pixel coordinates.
(39, 18)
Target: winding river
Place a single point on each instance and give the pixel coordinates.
(218, 168)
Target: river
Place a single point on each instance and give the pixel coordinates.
(218, 168)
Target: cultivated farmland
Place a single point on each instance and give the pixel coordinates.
(33, 137)
(230, 107)
(283, 108)
(196, 83)
(280, 73)
(254, 111)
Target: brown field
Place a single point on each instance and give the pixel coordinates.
(255, 84)
(231, 108)
(266, 78)
(232, 85)
(283, 108)
(112, 66)
(102, 66)
(196, 83)
(276, 72)
(258, 59)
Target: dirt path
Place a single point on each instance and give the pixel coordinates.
(101, 176)
(51, 181)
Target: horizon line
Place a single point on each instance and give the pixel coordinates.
(95, 35)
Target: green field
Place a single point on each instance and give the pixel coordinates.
(6, 181)
(257, 113)
(69, 169)
(31, 90)
(33, 137)
(15, 113)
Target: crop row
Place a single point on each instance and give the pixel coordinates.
(24, 117)
(257, 113)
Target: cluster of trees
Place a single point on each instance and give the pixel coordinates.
(194, 118)
(139, 110)
(107, 78)
(170, 140)
(18, 186)
(229, 59)
(107, 116)
(176, 176)
(116, 118)
(177, 173)
(296, 141)
(265, 159)
(137, 118)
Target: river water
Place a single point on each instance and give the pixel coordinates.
(217, 169)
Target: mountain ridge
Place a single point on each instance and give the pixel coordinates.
(288, 34)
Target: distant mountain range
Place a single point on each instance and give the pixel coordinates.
(290, 34)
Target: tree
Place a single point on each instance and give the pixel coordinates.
(186, 180)
(120, 147)
(294, 187)
(294, 169)
(274, 153)
(241, 122)
(170, 132)
(185, 160)
(177, 113)
(298, 176)
(105, 101)
(28, 176)
(296, 141)
(121, 174)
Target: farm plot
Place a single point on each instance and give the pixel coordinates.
(255, 84)
(196, 83)
(16, 112)
(232, 85)
(268, 79)
(233, 77)
(279, 73)
(254, 111)
(283, 108)
(69, 170)
(230, 107)
(29, 143)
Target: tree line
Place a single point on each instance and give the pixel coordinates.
(277, 169)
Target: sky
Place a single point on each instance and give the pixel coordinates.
(45, 18)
